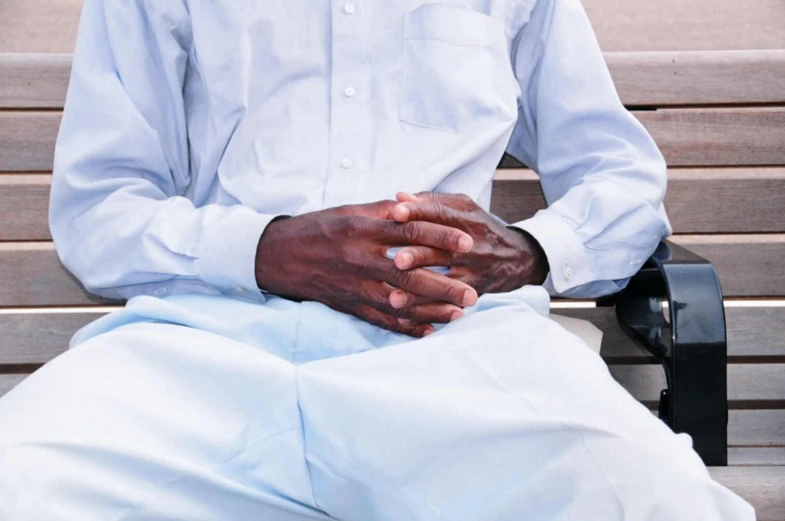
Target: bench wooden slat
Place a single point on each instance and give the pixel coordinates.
(764, 428)
(24, 207)
(31, 275)
(725, 194)
(753, 332)
(746, 382)
(762, 487)
(39, 80)
(749, 265)
(756, 456)
(688, 137)
(673, 25)
(706, 137)
(34, 80)
(698, 77)
(27, 140)
(46, 26)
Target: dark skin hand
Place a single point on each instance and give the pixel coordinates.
(502, 259)
(338, 257)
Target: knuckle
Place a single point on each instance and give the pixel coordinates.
(403, 279)
(412, 231)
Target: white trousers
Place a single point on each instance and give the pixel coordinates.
(205, 408)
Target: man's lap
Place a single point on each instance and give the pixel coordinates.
(501, 408)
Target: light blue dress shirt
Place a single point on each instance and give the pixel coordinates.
(190, 125)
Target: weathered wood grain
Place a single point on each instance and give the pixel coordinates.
(749, 265)
(688, 25)
(726, 195)
(721, 137)
(698, 77)
(621, 25)
(762, 487)
(24, 207)
(38, 25)
(27, 140)
(40, 80)
(31, 275)
(753, 333)
(732, 200)
(34, 80)
(756, 456)
(757, 332)
(687, 137)
(746, 382)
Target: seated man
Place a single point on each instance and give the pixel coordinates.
(320, 325)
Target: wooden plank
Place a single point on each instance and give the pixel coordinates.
(27, 140)
(687, 137)
(752, 331)
(31, 275)
(31, 80)
(748, 265)
(746, 382)
(36, 337)
(706, 137)
(756, 456)
(756, 428)
(38, 25)
(688, 25)
(726, 196)
(762, 487)
(698, 77)
(746, 428)
(34, 80)
(621, 25)
(24, 207)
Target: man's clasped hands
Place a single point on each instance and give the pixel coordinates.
(338, 257)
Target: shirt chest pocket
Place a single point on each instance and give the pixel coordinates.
(457, 75)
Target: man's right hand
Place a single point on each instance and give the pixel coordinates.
(338, 257)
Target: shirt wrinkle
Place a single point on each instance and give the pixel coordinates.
(248, 125)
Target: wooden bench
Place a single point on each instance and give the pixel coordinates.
(705, 78)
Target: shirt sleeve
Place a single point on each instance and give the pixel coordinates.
(603, 176)
(118, 214)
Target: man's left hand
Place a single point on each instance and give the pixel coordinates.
(502, 259)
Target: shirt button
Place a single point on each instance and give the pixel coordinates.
(348, 9)
(568, 273)
(346, 163)
(349, 91)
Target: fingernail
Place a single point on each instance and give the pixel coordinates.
(456, 315)
(406, 259)
(401, 212)
(398, 299)
(405, 322)
(469, 299)
(428, 331)
(465, 243)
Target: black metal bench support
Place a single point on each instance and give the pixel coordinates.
(691, 344)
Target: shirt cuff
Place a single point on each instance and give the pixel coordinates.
(228, 262)
(567, 257)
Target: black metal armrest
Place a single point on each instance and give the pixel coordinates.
(691, 345)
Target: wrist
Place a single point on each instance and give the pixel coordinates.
(266, 251)
(532, 259)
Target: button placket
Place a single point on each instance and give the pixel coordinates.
(351, 119)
